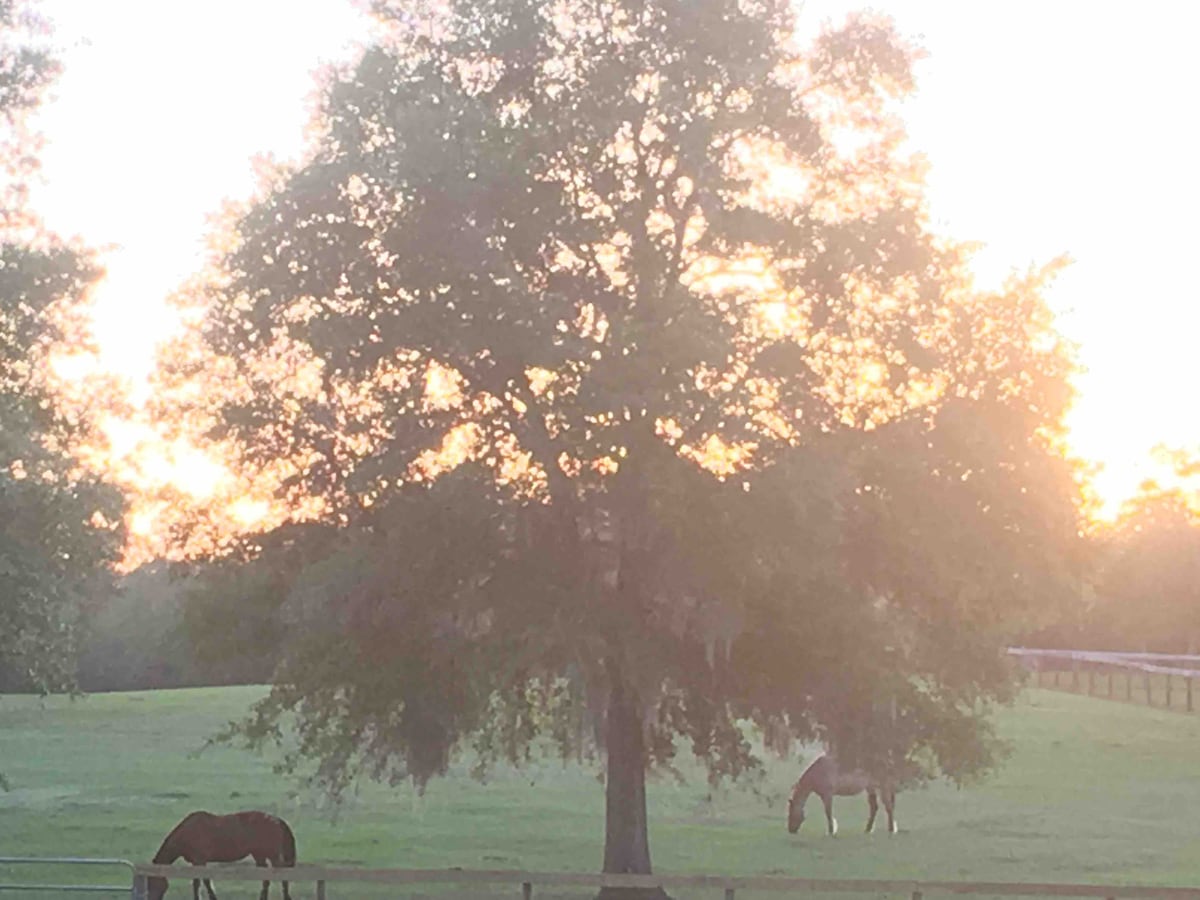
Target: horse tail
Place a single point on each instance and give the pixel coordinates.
(288, 851)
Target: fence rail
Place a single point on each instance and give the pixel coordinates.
(1164, 680)
(528, 881)
(1141, 662)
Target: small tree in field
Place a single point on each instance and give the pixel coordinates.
(59, 528)
(628, 396)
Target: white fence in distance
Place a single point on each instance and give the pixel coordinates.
(1087, 664)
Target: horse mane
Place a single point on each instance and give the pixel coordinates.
(796, 790)
(289, 843)
(163, 856)
(805, 777)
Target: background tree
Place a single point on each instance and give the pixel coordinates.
(1143, 570)
(137, 638)
(60, 529)
(628, 396)
(1149, 581)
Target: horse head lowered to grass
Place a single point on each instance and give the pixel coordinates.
(824, 779)
(202, 838)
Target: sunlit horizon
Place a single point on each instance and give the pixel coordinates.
(1047, 132)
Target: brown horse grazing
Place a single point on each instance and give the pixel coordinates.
(202, 838)
(823, 779)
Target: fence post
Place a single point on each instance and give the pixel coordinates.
(1075, 675)
(526, 890)
(140, 889)
(1149, 689)
(321, 889)
(1168, 690)
(1129, 684)
(1110, 686)
(728, 893)
(1091, 684)
(1189, 693)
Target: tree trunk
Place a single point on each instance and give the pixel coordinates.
(626, 838)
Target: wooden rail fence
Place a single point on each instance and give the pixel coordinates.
(526, 882)
(1156, 679)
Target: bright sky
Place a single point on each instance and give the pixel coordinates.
(1051, 127)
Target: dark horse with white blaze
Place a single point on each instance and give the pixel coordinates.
(203, 838)
(825, 780)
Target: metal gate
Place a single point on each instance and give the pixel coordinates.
(67, 861)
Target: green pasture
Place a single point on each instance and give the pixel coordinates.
(1094, 791)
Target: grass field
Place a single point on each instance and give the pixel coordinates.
(1094, 791)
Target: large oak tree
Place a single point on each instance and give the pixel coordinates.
(627, 395)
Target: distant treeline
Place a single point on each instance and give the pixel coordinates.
(1141, 591)
(138, 638)
(221, 623)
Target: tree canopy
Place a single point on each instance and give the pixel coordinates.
(60, 528)
(624, 393)
(1146, 593)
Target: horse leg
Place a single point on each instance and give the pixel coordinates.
(195, 889)
(827, 801)
(261, 862)
(208, 887)
(873, 807)
(277, 860)
(889, 803)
